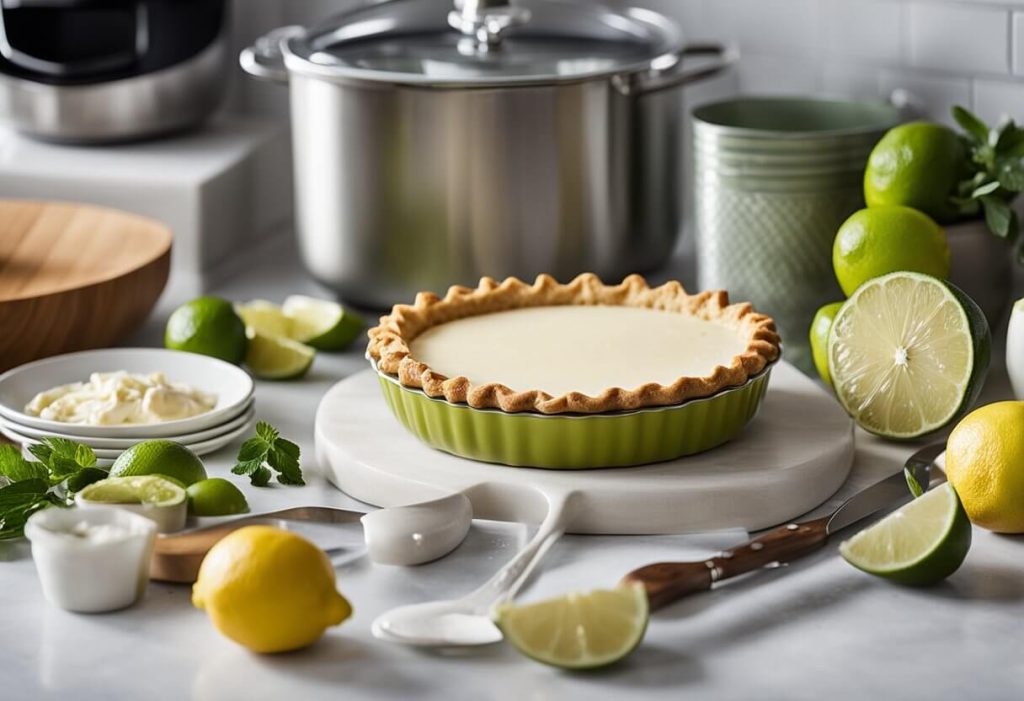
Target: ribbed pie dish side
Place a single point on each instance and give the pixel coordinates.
(616, 428)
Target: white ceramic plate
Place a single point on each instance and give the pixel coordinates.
(231, 384)
(107, 457)
(248, 410)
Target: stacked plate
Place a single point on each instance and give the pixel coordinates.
(229, 420)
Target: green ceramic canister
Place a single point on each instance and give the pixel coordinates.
(774, 178)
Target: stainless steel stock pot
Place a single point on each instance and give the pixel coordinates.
(435, 143)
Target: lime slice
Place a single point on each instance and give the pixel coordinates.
(908, 354)
(158, 499)
(320, 323)
(276, 357)
(266, 317)
(920, 544)
(580, 630)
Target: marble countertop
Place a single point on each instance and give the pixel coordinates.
(815, 629)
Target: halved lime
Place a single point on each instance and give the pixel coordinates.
(320, 323)
(276, 357)
(144, 489)
(266, 317)
(153, 496)
(920, 544)
(908, 354)
(580, 630)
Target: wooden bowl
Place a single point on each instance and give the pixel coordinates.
(75, 276)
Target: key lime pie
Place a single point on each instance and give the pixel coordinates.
(521, 374)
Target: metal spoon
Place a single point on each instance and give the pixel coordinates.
(467, 621)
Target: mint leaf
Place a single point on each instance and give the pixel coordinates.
(974, 127)
(986, 189)
(998, 215)
(285, 459)
(265, 453)
(1011, 176)
(16, 468)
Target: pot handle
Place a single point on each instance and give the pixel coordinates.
(264, 59)
(714, 58)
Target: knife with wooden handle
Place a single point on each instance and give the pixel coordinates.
(666, 582)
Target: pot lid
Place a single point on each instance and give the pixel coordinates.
(482, 42)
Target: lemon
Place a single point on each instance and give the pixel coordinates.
(216, 496)
(820, 327)
(985, 462)
(276, 357)
(920, 544)
(908, 354)
(208, 326)
(160, 457)
(269, 590)
(881, 240)
(320, 323)
(916, 165)
(581, 630)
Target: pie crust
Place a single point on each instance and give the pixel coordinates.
(390, 341)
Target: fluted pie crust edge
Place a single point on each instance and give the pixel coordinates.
(390, 341)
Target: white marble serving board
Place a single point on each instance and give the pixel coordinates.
(792, 457)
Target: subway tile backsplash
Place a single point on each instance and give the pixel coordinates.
(941, 52)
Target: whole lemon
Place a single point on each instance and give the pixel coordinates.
(985, 464)
(269, 590)
(882, 240)
(917, 165)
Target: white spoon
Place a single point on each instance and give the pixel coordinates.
(467, 621)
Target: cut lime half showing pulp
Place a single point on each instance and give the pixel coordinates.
(920, 544)
(276, 357)
(908, 354)
(320, 323)
(581, 630)
(153, 496)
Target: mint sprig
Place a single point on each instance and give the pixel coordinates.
(995, 175)
(267, 452)
(63, 468)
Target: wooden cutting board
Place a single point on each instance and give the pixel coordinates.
(74, 276)
(791, 458)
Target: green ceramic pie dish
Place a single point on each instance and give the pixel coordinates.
(576, 441)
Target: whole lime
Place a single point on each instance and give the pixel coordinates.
(820, 327)
(209, 326)
(882, 240)
(160, 457)
(216, 496)
(916, 165)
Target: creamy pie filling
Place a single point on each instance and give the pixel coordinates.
(576, 348)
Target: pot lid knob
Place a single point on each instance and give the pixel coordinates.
(482, 22)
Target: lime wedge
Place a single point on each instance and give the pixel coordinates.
(581, 630)
(143, 489)
(920, 544)
(320, 323)
(159, 499)
(276, 357)
(908, 354)
(266, 317)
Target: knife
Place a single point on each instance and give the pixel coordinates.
(667, 581)
(177, 556)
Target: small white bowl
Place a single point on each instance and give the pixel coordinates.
(1015, 349)
(81, 574)
(168, 519)
(231, 384)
